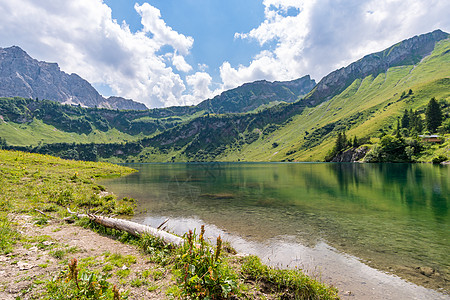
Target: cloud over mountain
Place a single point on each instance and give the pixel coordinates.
(154, 63)
(317, 36)
(83, 38)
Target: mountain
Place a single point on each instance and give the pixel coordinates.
(115, 102)
(407, 52)
(23, 76)
(251, 96)
(364, 99)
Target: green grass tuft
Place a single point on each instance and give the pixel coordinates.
(287, 284)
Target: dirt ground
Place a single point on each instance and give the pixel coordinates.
(46, 250)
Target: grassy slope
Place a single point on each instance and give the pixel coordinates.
(37, 131)
(425, 79)
(376, 100)
(29, 181)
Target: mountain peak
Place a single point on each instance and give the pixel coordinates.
(23, 76)
(15, 50)
(252, 95)
(406, 52)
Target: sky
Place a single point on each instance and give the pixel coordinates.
(180, 52)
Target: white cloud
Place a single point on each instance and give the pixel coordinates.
(297, 37)
(199, 83)
(83, 38)
(180, 63)
(162, 34)
(325, 35)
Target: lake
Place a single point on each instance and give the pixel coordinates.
(342, 222)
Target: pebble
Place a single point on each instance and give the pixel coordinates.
(24, 266)
(349, 293)
(3, 258)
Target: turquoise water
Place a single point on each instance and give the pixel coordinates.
(393, 217)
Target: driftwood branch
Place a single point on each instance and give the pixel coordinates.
(132, 228)
(44, 214)
(162, 224)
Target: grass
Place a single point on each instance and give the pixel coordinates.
(286, 284)
(37, 132)
(33, 181)
(8, 235)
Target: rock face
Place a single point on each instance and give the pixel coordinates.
(250, 96)
(351, 155)
(23, 76)
(407, 52)
(122, 103)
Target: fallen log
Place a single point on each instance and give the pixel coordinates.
(132, 228)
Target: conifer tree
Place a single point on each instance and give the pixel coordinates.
(405, 119)
(433, 115)
(355, 142)
(415, 122)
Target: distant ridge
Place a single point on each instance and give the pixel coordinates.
(23, 76)
(250, 96)
(406, 52)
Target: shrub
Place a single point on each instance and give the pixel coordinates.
(73, 284)
(159, 252)
(203, 274)
(438, 159)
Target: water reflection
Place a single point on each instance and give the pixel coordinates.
(393, 215)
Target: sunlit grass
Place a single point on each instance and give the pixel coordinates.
(34, 181)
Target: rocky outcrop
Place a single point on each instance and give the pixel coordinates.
(407, 52)
(351, 155)
(122, 103)
(23, 76)
(250, 96)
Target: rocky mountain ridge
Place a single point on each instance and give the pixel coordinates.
(250, 96)
(406, 52)
(23, 76)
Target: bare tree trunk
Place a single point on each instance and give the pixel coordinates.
(133, 228)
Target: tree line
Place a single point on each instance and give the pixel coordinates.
(403, 145)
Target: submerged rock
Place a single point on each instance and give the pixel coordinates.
(427, 271)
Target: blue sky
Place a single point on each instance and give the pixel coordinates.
(167, 52)
(212, 23)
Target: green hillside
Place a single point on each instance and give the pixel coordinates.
(25, 122)
(365, 99)
(367, 106)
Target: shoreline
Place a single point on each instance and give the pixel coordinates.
(36, 248)
(348, 273)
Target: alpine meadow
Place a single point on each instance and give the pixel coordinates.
(204, 150)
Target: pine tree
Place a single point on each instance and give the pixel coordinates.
(340, 144)
(355, 142)
(433, 115)
(415, 123)
(405, 119)
(344, 141)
